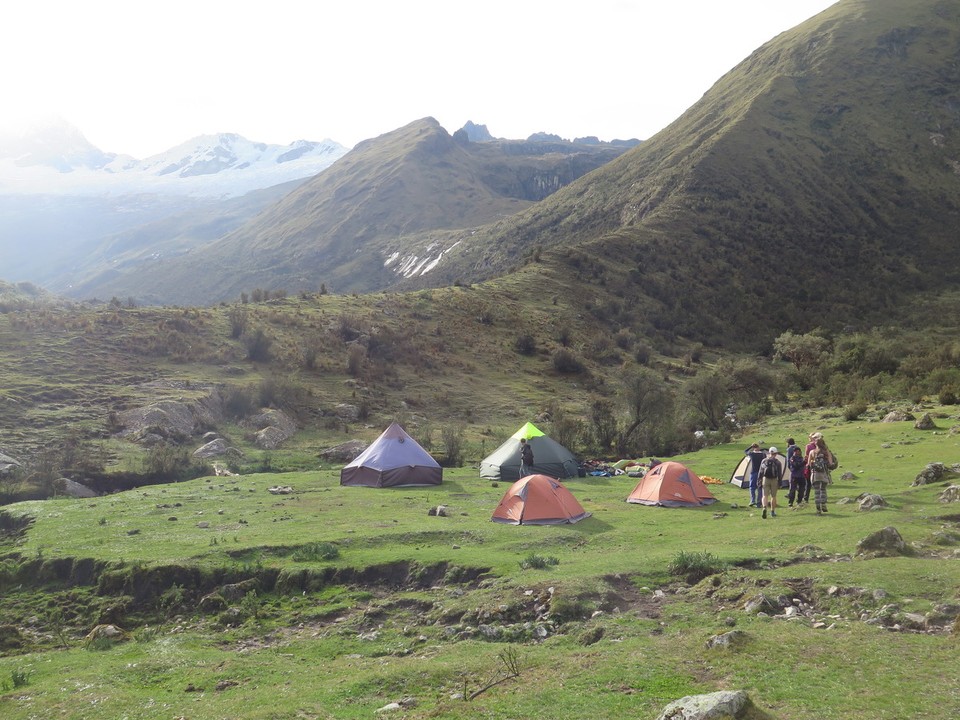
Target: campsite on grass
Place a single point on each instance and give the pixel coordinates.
(225, 588)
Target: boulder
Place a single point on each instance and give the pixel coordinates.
(73, 488)
(951, 494)
(109, 632)
(347, 412)
(723, 705)
(936, 472)
(870, 501)
(344, 452)
(727, 639)
(897, 416)
(7, 463)
(273, 428)
(214, 448)
(167, 419)
(925, 422)
(883, 543)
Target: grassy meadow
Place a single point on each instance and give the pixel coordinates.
(396, 613)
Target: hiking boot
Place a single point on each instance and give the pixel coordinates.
(773, 513)
(824, 507)
(764, 514)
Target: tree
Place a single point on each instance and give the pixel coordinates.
(804, 351)
(709, 396)
(604, 423)
(645, 394)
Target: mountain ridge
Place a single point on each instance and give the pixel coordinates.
(348, 227)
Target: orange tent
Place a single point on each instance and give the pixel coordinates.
(671, 484)
(538, 500)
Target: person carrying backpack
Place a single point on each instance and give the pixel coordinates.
(820, 460)
(770, 471)
(526, 457)
(797, 465)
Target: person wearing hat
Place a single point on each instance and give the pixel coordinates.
(771, 470)
(756, 456)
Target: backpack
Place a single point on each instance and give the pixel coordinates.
(834, 462)
(770, 470)
(526, 454)
(796, 461)
(820, 464)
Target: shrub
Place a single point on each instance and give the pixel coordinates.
(258, 345)
(947, 397)
(695, 566)
(316, 551)
(355, 358)
(453, 441)
(565, 361)
(533, 561)
(525, 344)
(238, 321)
(854, 411)
(563, 610)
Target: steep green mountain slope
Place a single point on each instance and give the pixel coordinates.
(831, 155)
(352, 227)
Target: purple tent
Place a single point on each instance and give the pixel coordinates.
(393, 460)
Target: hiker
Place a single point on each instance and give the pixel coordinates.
(526, 457)
(756, 456)
(797, 465)
(813, 437)
(785, 480)
(819, 460)
(770, 473)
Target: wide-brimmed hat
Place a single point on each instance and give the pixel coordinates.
(816, 436)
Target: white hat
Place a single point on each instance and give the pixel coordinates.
(772, 450)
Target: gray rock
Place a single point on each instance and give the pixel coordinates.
(344, 452)
(897, 416)
(925, 423)
(950, 495)
(870, 501)
(723, 705)
(347, 412)
(883, 543)
(936, 472)
(7, 463)
(273, 428)
(727, 639)
(74, 488)
(214, 448)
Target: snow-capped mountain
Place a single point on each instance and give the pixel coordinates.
(56, 159)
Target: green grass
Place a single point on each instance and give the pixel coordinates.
(344, 651)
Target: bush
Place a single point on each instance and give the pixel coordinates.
(947, 397)
(258, 345)
(565, 361)
(316, 551)
(453, 441)
(525, 344)
(695, 566)
(854, 411)
(533, 561)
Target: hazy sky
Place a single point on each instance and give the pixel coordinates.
(141, 76)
